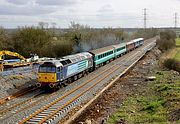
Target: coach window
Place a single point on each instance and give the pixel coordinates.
(58, 69)
(99, 57)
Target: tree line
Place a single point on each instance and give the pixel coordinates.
(56, 43)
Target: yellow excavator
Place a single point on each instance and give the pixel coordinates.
(9, 53)
(13, 54)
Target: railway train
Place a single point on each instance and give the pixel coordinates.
(57, 72)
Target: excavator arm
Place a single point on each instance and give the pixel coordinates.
(9, 53)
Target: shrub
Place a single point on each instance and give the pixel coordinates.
(167, 40)
(29, 40)
(172, 64)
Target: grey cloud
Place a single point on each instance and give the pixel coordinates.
(106, 9)
(56, 2)
(26, 10)
(18, 2)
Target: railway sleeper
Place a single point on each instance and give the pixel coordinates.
(43, 114)
(49, 121)
(48, 111)
(52, 109)
(35, 119)
(31, 122)
(40, 116)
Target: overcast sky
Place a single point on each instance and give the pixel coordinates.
(95, 13)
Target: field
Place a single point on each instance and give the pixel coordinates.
(177, 55)
(178, 42)
(156, 104)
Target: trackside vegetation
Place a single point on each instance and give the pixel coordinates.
(177, 55)
(157, 103)
(53, 42)
(166, 44)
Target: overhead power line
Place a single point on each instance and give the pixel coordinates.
(175, 20)
(145, 18)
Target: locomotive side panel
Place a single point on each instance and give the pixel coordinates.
(75, 68)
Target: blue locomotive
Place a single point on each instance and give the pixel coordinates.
(56, 72)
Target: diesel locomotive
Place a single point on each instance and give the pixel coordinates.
(56, 72)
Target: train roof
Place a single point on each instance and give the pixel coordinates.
(54, 62)
(138, 39)
(77, 57)
(135, 40)
(102, 50)
(68, 59)
(130, 42)
(116, 46)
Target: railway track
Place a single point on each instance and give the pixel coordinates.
(52, 108)
(19, 104)
(17, 94)
(49, 111)
(35, 102)
(32, 101)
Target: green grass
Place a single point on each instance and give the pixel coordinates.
(177, 56)
(153, 103)
(178, 42)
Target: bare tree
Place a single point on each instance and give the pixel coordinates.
(41, 24)
(46, 25)
(53, 25)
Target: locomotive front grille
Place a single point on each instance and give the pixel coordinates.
(47, 77)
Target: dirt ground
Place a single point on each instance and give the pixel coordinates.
(128, 85)
(13, 83)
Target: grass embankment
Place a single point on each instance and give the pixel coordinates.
(158, 103)
(178, 42)
(173, 53)
(177, 55)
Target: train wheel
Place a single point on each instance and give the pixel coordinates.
(83, 73)
(69, 80)
(75, 77)
(79, 75)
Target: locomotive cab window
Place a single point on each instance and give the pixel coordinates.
(47, 69)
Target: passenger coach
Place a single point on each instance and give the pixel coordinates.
(102, 55)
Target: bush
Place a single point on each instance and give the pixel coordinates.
(30, 40)
(5, 42)
(172, 64)
(167, 40)
(146, 34)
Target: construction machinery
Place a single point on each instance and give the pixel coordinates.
(9, 53)
(12, 62)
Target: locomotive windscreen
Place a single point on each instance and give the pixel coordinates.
(47, 67)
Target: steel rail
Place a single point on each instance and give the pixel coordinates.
(44, 98)
(19, 103)
(68, 93)
(17, 94)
